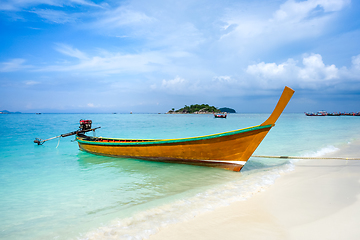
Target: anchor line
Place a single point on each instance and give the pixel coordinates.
(294, 157)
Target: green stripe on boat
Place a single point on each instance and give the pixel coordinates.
(164, 141)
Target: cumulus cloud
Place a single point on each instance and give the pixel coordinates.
(271, 70)
(356, 62)
(313, 73)
(177, 84)
(173, 83)
(315, 69)
(353, 72)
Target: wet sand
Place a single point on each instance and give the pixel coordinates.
(320, 199)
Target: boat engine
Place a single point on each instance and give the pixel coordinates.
(85, 124)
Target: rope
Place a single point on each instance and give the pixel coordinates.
(58, 141)
(291, 157)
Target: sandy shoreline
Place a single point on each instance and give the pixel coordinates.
(320, 199)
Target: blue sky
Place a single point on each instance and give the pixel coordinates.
(151, 56)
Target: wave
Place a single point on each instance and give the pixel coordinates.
(323, 151)
(256, 179)
(148, 222)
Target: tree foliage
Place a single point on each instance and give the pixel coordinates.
(197, 108)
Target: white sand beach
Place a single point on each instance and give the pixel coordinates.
(320, 199)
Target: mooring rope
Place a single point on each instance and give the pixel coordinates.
(58, 141)
(292, 157)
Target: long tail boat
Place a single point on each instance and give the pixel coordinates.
(228, 150)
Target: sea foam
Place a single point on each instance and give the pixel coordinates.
(148, 222)
(322, 151)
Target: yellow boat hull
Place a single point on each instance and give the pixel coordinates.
(228, 150)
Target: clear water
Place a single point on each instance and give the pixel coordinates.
(63, 193)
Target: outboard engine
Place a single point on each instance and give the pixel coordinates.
(85, 125)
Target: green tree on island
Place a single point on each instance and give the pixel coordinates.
(196, 108)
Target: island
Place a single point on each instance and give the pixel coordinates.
(200, 109)
(7, 112)
(227, 110)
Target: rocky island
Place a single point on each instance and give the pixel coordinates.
(199, 109)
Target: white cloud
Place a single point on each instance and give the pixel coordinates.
(84, 3)
(298, 11)
(54, 16)
(13, 65)
(223, 79)
(315, 69)
(157, 27)
(18, 5)
(353, 72)
(109, 63)
(177, 85)
(70, 51)
(313, 73)
(174, 84)
(270, 69)
(356, 62)
(292, 21)
(122, 16)
(31, 83)
(178, 42)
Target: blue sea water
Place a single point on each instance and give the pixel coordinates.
(56, 191)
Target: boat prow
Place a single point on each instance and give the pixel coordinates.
(228, 150)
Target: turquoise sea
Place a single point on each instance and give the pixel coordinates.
(55, 191)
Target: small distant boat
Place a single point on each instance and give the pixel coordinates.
(220, 115)
(350, 114)
(227, 150)
(319, 113)
(324, 113)
(333, 114)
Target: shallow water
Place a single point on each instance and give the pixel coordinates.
(63, 193)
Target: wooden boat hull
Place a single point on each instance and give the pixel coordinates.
(228, 150)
